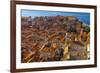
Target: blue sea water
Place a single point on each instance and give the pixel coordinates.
(82, 16)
